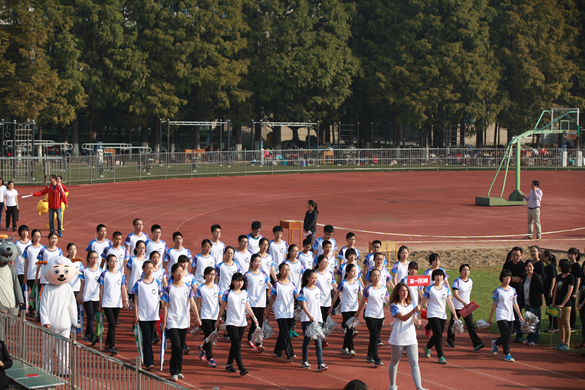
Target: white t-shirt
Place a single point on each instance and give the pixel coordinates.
(254, 243)
(464, 291)
(46, 255)
(266, 263)
(341, 255)
(318, 245)
(403, 332)
(375, 301)
(135, 267)
(217, 252)
(209, 301)
(243, 259)
(148, 295)
(385, 276)
(349, 295)
(437, 301)
(400, 269)
(32, 254)
(132, 239)
(159, 274)
(2, 190)
(504, 301)
(199, 264)
(10, 197)
(179, 310)
(112, 286)
(325, 282)
(19, 261)
(160, 247)
(341, 270)
(285, 299)
(278, 251)
(172, 256)
(75, 283)
(331, 263)
(98, 247)
(414, 291)
(307, 259)
(235, 310)
(91, 286)
(256, 286)
(296, 272)
(369, 261)
(312, 299)
(225, 273)
(121, 254)
(430, 273)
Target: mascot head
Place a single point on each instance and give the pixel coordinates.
(8, 251)
(58, 270)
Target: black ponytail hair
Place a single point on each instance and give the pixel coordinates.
(290, 249)
(319, 260)
(313, 204)
(348, 269)
(306, 275)
(280, 267)
(236, 278)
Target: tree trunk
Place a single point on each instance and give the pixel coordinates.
(462, 134)
(144, 135)
(196, 138)
(277, 138)
(129, 135)
(560, 141)
(75, 136)
(496, 129)
(257, 135)
(238, 137)
(156, 135)
(478, 135)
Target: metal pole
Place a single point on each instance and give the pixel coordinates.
(338, 135)
(229, 133)
(318, 135)
(168, 136)
(372, 134)
(220, 131)
(138, 365)
(358, 135)
(518, 166)
(32, 140)
(308, 138)
(72, 370)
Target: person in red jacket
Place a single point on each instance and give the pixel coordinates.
(56, 196)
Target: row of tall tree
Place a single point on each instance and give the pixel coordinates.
(94, 67)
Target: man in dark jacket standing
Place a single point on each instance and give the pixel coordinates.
(56, 196)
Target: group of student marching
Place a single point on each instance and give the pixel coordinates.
(262, 278)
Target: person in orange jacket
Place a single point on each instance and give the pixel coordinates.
(56, 196)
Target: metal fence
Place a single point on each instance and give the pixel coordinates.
(129, 167)
(77, 365)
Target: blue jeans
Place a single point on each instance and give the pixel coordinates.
(307, 341)
(52, 219)
(534, 337)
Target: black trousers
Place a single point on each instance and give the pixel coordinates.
(324, 310)
(20, 279)
(90, 308)
(207, 326)
(375, 327)
(11, 213)
(178, 338)
(552, 320)
(283, 341)
(475, 340)
(112, 314)
(293, 323)
(148, 329)
(437, 325)
(259, 313)
(505, 328)
(236, 333)
(348, 339)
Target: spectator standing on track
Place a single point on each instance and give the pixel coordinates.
(550, 279)
(534, 198)
(56, 196)
(518, 270)
(11, 206)
(134, 237)
(574, 256)
(403, 337)
(310, 222)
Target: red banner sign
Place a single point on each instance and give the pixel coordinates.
(419, 280)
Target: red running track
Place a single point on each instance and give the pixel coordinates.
(426, 203)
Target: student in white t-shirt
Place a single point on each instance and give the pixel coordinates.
(267, 259)
(369, 259)
(99, 243)
(226, 269)
(202, 261)
(403, 337)
(30, 255)
(90, 294)
(22, 243)
(133, 268)
(116, 249)
(46, 254)
(159, 273)
(400, 268)
(75, 283)
(306, 256)
(350, 238)
(236, 304)
(278, 248)
(135, 236)
(282, 297)
(257, 281)
(385, 278)
(435, 262)
(11, 206)
(375, 296)
(208, 302)
(177, 299)
(349, 290)
(296, 274)
(242, 255)
(217, 247)
(415, 291)
(147, 292)
(186, 276)
(438, 297)
(113, 296)
(326, 284)
(462, 287)
(155, 243)
(310, 300)
(504, 304)
(172, 254)
(327, 236)
(254, 237)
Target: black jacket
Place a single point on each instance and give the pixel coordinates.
(536, 289)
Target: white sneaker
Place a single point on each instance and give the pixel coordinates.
(181, 376)
(175, 378)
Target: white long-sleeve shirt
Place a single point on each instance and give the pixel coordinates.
(534, 198)
(58, 307)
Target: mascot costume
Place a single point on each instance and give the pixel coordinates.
(10, 290)
(58, 311)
